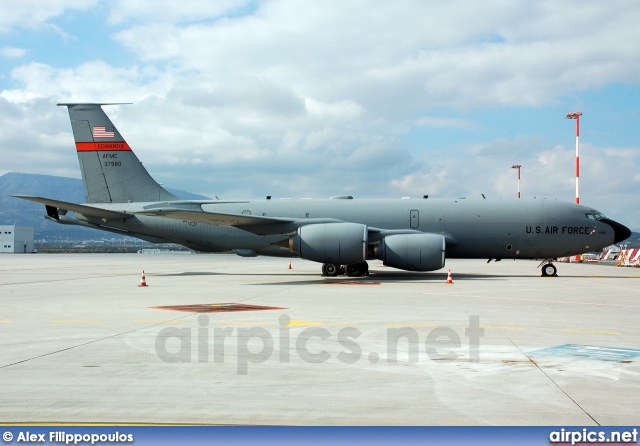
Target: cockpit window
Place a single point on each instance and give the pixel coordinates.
(595, 216)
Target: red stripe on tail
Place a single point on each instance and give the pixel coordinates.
(102, 147)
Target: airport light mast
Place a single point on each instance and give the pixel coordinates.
(576, 116)
(517, 166)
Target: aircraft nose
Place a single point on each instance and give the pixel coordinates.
(621, 232)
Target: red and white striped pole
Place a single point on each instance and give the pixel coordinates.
(517, 166)
(576, 116)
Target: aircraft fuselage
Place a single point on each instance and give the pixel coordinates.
(504, 228)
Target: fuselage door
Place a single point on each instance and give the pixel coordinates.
(414, 218)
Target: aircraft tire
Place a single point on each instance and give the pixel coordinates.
(353, 270)
(549, 270)
(330, 269)
(357, 270)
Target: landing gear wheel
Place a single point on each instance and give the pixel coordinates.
(330, 269)
(358, 269)
(353, 270)
(549, 270)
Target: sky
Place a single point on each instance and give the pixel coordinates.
(298, 99)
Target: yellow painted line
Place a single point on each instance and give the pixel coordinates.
(501, 327)
(592, 331)
(5, 321)
(302, 323)
(73, 321)
(411, 325)
(307, 323)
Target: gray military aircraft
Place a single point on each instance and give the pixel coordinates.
(341, 233)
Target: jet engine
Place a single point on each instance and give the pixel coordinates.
(413, 252)
(336, 243)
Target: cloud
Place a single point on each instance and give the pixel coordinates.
(250, 95)
(34, 135)
(518, 148)
(12, 52)
(389, 61)
(36, 13)
(94, 81)
(171, 11)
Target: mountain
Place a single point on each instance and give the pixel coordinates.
(26, 213)
(633, 241)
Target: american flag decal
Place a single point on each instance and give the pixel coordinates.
(103, 132)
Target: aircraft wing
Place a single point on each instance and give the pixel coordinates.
(83, 209)
(260, 225)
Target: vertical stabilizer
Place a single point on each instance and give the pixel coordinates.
(111, 172)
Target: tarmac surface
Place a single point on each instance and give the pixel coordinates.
(81, 342)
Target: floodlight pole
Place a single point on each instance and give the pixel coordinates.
(576, 116)
(517, 166)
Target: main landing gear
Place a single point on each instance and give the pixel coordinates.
(356, 270)
(549, 269)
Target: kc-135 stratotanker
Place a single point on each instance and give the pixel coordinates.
(341, 233)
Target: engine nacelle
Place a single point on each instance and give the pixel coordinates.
(413, 252)
(338, 243)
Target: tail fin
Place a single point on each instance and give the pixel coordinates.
(111, 172)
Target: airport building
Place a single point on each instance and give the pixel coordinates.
(16, 239)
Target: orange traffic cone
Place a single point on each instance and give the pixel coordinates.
(449, 277)
(290, 266)
(143, 280)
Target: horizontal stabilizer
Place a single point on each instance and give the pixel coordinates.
(88, 211)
